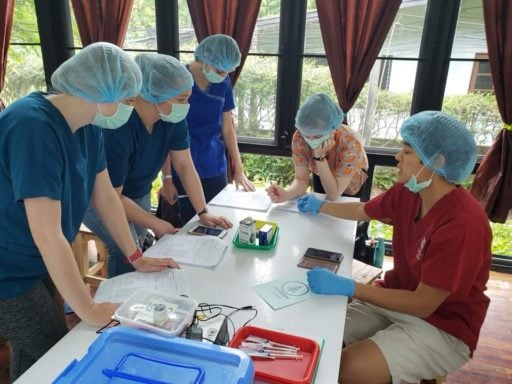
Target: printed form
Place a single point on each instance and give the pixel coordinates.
(199, 251)
(120, 288)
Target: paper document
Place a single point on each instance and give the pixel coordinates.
(118, 289)
(254, 201)
(284, 292)
(200, 251)
(291, 205)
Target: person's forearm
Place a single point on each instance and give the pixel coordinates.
(398, 300)
(347, 211)
(166, 168)
(296, 188)
(111, 212)
(60, 262)
(327, 179)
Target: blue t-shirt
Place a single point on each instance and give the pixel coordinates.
(205, 127)
(134, 156)
(41, 157)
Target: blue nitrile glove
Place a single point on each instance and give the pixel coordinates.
(326, 282)
(309, 204)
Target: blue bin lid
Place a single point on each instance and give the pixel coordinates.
(128, 355)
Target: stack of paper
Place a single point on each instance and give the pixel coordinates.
(254, 201)
(119, 289)
(199, 251)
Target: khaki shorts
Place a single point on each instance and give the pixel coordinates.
(413, 348)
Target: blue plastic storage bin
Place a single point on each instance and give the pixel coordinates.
(127, 355)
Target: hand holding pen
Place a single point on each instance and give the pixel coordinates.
(276, 193)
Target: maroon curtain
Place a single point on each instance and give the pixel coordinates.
(493, 181)
(235, 18)
(353, 32)
(102, 20)
(6, 13)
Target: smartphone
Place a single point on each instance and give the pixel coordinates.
(315, 253)
(202, 230)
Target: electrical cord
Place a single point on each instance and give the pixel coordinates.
(110, 324)
(211, 311)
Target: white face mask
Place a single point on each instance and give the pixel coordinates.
(177, 114)
(212, 76)
(115, 121)
(315, 143)
(415, 187)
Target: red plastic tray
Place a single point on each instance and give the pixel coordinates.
(282, 371)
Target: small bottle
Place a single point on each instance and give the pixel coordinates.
(378, 256)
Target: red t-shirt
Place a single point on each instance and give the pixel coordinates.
(448, 249)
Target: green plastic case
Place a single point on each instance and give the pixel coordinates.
(259, 224)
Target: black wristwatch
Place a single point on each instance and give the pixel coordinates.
(202, 212)
(321, 158)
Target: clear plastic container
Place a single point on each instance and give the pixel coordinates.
(157, 312)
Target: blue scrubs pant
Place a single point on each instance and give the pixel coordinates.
(211, 186)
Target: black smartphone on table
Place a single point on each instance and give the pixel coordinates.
(207, 231)
(321, 258)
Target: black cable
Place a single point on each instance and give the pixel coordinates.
(110, 324)
(211, 311)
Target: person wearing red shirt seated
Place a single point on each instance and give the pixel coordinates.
(424, 319)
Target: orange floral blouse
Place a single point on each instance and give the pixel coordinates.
(346, 157)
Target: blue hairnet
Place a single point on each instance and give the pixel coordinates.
(442, 143)
(163, 77)
(99, 73)
(220, 51)
(319, 115)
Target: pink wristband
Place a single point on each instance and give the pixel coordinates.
(135, 256)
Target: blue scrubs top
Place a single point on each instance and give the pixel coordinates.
(205, 127)
(134, 156)
(41, 157)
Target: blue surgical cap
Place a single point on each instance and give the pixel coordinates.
(319, 115)
(219, 51)
(99, 73)
(163, 77)
(442, 143)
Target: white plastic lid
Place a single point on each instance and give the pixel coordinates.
(154, 311)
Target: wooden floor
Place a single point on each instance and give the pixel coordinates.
(492, 361)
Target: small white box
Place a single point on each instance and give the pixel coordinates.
(265, 234)
(247, 231)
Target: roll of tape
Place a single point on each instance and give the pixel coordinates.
(159, 313)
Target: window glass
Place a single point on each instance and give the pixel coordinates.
(385, 100)
(25, 71)
(188, 39)
(465, 93)
(255, 97)
(265, 38)
(141, 33)
(77, 41)
(470, 30)
(24, 26)
(263, 169)
(403, 38)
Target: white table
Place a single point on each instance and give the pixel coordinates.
(231, 282)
